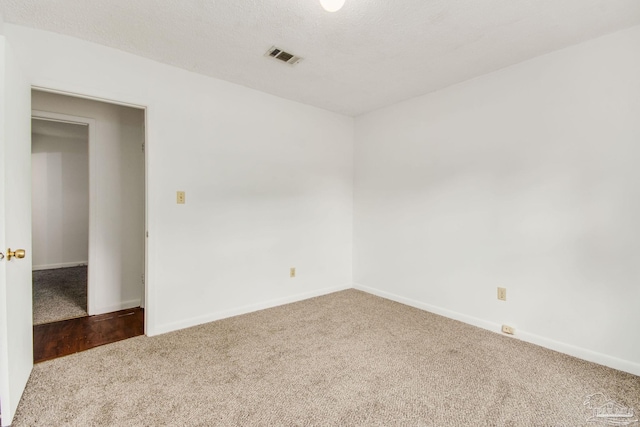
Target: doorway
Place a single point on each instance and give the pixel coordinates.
(88, 221)
(60, 218)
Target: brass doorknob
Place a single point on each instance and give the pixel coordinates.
(19, 253)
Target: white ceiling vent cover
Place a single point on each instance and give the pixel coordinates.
(281, 55)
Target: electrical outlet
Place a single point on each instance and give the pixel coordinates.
(508, 330)
(502, 294)
(180, 197)
(292, 272)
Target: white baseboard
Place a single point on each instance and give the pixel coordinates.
(61, 265)
(581, 353)
(484, 324)
(170, 327)
(117, 307)
(571, 350)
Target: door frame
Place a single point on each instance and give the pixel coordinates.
(126, 101)
(93, 167)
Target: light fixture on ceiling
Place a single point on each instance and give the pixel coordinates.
(332, 5)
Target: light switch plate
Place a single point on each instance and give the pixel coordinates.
(180, 197)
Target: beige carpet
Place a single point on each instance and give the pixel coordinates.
(344, 359)
(59, 294)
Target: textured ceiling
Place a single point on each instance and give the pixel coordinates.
(370, 54)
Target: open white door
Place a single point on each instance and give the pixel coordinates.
(16, 330)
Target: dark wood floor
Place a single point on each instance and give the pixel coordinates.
(57, 339)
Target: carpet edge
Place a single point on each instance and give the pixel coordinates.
(194, 321)
(561, 347)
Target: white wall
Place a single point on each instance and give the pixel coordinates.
(526, 178)
(268, 181)
(59, 200)
(117, 193)
(523, 178)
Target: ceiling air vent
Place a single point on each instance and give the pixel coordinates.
(281, 55)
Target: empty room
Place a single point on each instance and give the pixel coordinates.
(348, 212)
